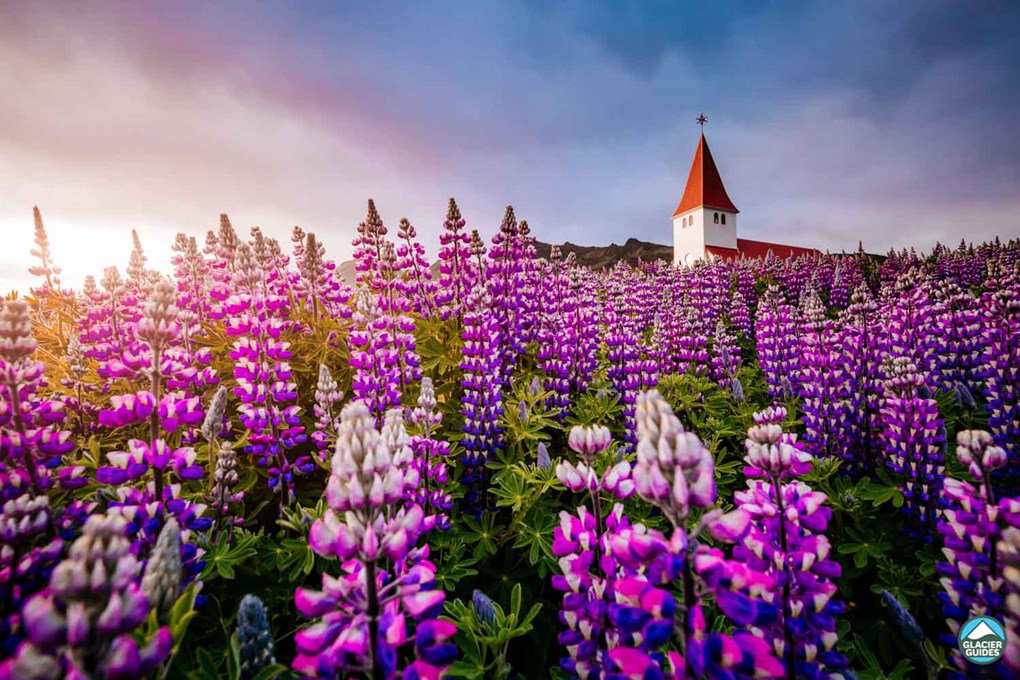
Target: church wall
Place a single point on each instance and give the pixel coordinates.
(720, 235)
(689, 241)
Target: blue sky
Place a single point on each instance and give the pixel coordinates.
(891, 123)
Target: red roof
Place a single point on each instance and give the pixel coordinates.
(752, 249)
(704, 185)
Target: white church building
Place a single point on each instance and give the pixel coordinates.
(705, 221)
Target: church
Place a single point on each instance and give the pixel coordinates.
(705, 221)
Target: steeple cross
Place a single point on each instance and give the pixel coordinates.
(701, 120)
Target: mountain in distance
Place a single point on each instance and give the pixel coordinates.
(596, 257)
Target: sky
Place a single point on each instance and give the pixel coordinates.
(897, 124)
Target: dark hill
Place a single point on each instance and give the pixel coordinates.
(596, 257)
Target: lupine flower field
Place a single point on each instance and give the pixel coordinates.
(501, 466)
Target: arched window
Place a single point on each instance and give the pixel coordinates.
(685, 221)
(717, 218)
(724, 218)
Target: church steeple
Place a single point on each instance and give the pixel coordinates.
(705, 221)
(705, 187)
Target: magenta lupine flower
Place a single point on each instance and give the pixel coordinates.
(366, 611)
(482, 400)
(776, 334)
(972, 532)
(31, 441)
(82, 625)
(825, 384)
(1001, 368)
(430, 460)
(914, 436)
(674, 471)
(581, 542)
(787, 543)
(455, 267)
(262, 370)
(1009, 552)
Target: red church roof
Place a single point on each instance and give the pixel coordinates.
(704, 185)
(753, 249)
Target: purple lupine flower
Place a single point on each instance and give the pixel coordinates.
(630, 368)
(739, 314)
(161, 580)
(958, 341)
(972, 531)
(192, 274)
(366, 611)
(83, 623)
(254, 638)
(556, 333)
(419, 287)
(318, 282)
(430, 460)
(825, 386)
(505, 280)
(483, 607)
(481, 403)
(787, 542)
(31, 443)
(914, 435)
(1001, 368)
(328, 397)
(725, 356)
(213, 425)
(46, 269)
(222, 497)
(776, 335)
(581, 316)
(542, 459)
(455, 267)
(374, 359)
(908, 330)
(25, 560)
(860, 340)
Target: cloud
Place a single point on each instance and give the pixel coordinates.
(830, 123)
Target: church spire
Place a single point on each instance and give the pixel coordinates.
(704, 184)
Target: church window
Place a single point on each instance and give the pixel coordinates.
(724, 218)
(717, 218)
